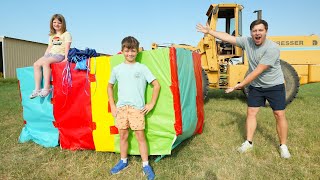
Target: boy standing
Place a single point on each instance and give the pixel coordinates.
(132, 78)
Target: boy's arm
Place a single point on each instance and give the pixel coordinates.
(111, 100)
(155, 93)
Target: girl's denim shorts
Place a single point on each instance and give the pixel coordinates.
(58, 57)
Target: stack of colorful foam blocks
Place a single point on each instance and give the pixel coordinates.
(77, 115)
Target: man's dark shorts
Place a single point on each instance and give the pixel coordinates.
(275, 95)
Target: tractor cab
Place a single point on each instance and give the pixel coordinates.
(216, 54)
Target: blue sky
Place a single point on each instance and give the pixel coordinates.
(102, 24)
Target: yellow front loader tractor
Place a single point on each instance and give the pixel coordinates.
(225, 65)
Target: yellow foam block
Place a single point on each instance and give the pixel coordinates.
(100, 70)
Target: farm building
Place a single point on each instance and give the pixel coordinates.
(17, 53)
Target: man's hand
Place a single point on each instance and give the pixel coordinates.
(147, 108)
(203, 29)
(237, 86)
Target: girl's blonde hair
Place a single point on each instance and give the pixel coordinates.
(63, 24)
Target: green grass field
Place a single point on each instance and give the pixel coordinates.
(211, 155)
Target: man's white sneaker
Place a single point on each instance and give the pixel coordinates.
(284, 152)
(246, 146)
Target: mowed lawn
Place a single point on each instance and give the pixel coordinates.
(211, 155)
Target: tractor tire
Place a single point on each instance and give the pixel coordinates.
(291, 82)
(205, 85)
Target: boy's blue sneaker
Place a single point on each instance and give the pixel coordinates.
(147, 170)
(119, 167)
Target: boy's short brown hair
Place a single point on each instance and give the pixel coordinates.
(130, 43)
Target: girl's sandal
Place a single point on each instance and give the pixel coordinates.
(35, 93)
(44, 92)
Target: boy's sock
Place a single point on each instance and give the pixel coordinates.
(145, 163)
(250, 142)
(124, 160)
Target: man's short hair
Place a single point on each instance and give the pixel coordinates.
(257, 22)
(130, 43)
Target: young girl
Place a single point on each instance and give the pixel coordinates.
(57, 51)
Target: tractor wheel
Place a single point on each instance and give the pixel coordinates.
(291, 83)
(205, 84)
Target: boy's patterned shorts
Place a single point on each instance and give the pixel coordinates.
(128, 116)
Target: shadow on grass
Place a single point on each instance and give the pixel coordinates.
(219, 94)
(241, 123)
(182, 145)
(267, 135)
(241, 117)
(175, 152)
(240, 120)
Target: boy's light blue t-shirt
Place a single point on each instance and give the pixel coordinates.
(132, 82)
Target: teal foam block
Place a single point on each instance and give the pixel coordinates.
(37, 113)
(188, 92)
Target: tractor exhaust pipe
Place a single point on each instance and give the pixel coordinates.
(259, 13)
